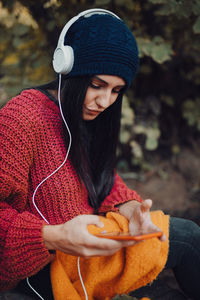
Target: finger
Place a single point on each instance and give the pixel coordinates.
(154, 228)
(100, 252)
(92, 220)
(117, 243)
(110, 244)
(129, 243)
(163, 238)
(146, 205)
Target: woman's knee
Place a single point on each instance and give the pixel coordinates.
(184, 242)
(185, 231)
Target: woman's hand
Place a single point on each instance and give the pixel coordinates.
(73, 238)
(139, 217)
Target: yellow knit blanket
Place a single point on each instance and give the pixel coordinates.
(105, 276)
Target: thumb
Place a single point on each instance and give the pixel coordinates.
(146, 205)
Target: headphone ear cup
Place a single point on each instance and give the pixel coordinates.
(63, 59)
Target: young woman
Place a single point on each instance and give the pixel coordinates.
(57, 156)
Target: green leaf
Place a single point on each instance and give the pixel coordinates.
(168, 8)
(191, 112)
(196, 8)
(17, 41)
(136, 149)
(127, 113)
(20, 29)
(158, 1)
(51, 25)
(196, 26)
(161, 50)
(124, 136)
(180, 8)
(125, 3)
(167, 100)
(184, 8)
(151, 144)
(102, 2)
(157, 49)
(8, 3)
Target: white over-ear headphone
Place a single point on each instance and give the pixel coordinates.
(63, 58)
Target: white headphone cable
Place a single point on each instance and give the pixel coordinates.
(27, 280)
(81, 279)
(69, 146)
(33, 198)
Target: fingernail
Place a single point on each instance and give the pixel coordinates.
(163, 238)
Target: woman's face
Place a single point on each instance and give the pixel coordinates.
(101, 93)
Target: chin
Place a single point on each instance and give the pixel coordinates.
(87, 117)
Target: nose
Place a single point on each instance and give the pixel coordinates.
(104, 99)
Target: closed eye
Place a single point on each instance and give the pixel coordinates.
(97, 87)
(94, 86)
(117, 91)
(98, 83)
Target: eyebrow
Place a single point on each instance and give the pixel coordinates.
(105, 82)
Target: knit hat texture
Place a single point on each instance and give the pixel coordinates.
(103, 44)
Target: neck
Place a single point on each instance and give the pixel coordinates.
(54, 93)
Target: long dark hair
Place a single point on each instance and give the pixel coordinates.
(94, 143)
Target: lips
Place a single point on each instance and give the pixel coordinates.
(92, 112)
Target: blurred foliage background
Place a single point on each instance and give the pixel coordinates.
(161, 110)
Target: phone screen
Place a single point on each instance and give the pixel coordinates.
(126, 236)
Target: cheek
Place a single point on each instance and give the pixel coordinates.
(114, 98)
(90, 97)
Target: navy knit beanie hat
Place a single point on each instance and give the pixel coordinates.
(103, 44)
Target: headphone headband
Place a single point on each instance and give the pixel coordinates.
(63, 58)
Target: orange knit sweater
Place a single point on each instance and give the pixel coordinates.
(32, 147)
(104, 277)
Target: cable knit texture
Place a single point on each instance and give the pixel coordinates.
(32, 147)
(103, 44)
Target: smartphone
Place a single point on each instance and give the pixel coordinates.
(126, 236)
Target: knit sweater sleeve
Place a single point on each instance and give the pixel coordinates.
(22, 251)
(119, 194)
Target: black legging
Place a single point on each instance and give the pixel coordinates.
(184, 255)
(184, 259)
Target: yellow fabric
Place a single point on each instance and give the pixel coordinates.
(106, 276)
